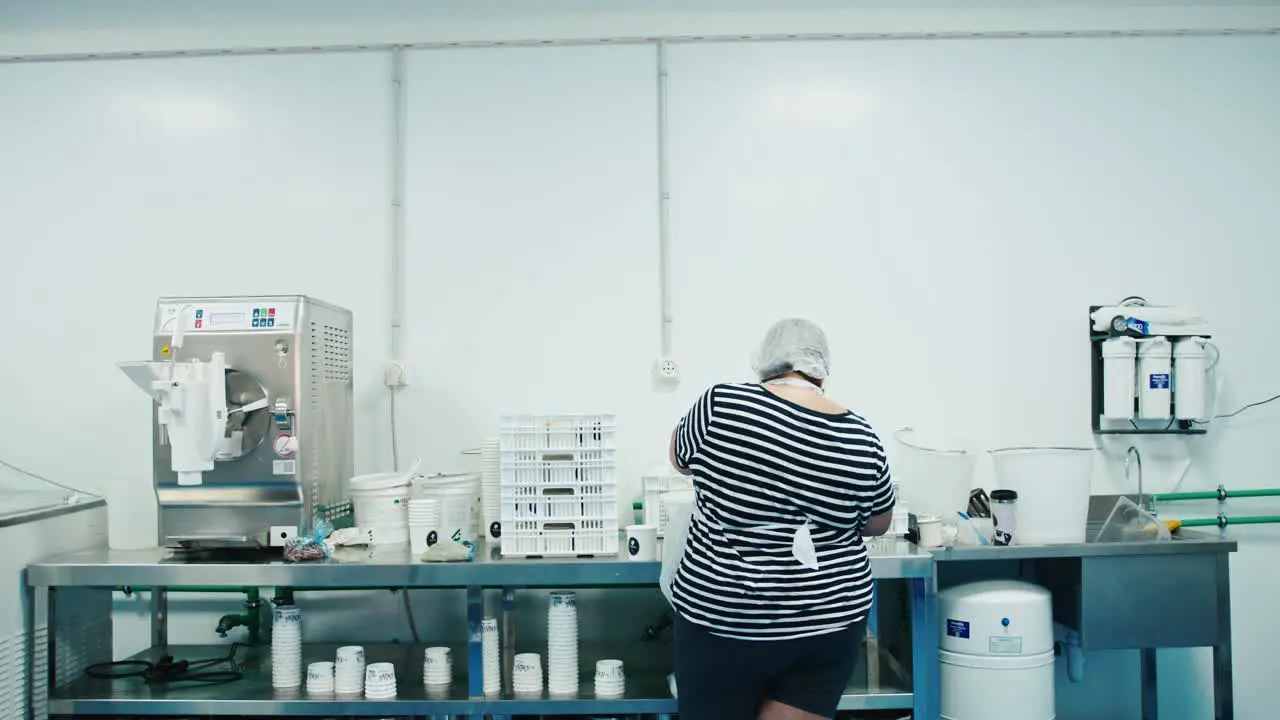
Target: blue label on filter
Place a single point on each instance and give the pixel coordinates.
(958, 628)
(1140, 326)
(1159, 381)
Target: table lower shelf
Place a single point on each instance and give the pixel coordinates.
(647, 692)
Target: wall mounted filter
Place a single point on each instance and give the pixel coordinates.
(1190, 378)
(1118, 370)
(1155, 378)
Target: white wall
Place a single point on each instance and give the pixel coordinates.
(57, 27)
(947, 209)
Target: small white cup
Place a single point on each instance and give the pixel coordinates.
(642, 543)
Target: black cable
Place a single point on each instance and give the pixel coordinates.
(1273, 398)
(169, 670)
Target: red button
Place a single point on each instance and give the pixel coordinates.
(199, 323)
(271, 312)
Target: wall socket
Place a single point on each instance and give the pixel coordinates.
(667, 370)
(395, 375)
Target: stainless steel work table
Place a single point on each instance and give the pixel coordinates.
(76, 579)
(1125, 595)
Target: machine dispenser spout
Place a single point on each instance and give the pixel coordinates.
(192, 396)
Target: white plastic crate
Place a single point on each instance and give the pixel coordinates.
(560, 539)
(655, 511)
(558, 432)
(558, 486)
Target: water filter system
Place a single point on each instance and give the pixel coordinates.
(1150, 369)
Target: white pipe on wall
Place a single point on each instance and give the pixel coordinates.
(397, 199)
(664, 205)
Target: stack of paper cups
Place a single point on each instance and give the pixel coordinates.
(348, 670)
(491, 491)
(424, 524)
(320, 678)
(610, 681)
(492, 657)
(526, 674)
(380, 681)
(286, 647)
(562, 644)
(437, 667)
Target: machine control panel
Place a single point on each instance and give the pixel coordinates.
(224, 316)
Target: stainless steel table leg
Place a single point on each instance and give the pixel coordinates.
(508, 637)
(1150, 699)
(924, 648)
(159, 617)
(1223, 691)
(475, 643)
(873, 641)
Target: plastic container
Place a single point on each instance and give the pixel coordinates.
(1190, 377)
(1119, 369)
(380, 501)
(934, 473)
(996, 651)
(655, 486)
(558, 485)
(1053, 485)
(1129, 523)
(459, 498)
(1155, 378)
(680, 515)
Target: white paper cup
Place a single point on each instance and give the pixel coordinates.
(642, 543)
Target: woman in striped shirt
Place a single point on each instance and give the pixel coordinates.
(772, 594)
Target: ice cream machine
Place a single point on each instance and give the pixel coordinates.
(252, 434)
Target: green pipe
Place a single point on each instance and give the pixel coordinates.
(1220, 494)
(1224, 521)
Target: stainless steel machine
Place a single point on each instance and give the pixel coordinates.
(253, 431)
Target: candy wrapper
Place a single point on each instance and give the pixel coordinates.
(309, 548)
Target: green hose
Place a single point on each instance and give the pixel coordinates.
(1220, 494)
(1224, 521)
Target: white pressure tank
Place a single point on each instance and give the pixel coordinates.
(997, 651)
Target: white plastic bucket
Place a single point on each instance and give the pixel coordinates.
(1053, 485)
(1118, 372)
(459, 497)
(934, 473)
(380, 503)
(679, 505)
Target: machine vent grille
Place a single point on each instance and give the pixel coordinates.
(335, 351)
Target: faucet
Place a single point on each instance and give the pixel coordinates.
(251, 618)
(1128, 458)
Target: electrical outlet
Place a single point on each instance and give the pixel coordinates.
(667, 370)
(394, 375)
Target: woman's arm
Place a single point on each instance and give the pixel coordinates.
(878, 525)
(675, 463)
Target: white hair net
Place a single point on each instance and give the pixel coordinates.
(793, 345)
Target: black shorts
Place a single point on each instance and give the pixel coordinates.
(722, 679)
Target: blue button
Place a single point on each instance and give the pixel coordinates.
(271, 322)
(255, 312)
(200, 313)
(1004, 622)
(256, 322)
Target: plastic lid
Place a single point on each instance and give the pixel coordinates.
(1004, 495)
(379, 481)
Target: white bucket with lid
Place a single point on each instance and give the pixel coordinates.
(934, 473)
(1053, 486)
(459, 497)
(380, 503)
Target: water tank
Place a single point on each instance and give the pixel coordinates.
(997, 651)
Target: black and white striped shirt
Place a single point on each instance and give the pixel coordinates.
(759, 460)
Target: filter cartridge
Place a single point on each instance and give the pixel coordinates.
(1189, 378)
(1118, 372)
(1155, 378)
